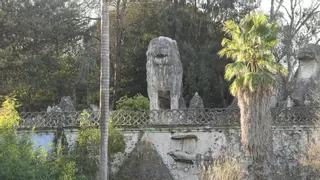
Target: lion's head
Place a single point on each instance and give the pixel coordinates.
(163, 51)
(309, 52)
(309, 59)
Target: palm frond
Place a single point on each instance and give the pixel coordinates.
(234, 69)
(249, 46)
(236, 85)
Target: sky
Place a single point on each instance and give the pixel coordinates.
(266, 4)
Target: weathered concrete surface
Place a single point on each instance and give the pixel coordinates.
(143, 163)
(196, 102)
(307, 76)
(201, 145)
(164, 72)
(290, 143)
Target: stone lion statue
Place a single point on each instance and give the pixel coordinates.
(164, 72)
(307, 75)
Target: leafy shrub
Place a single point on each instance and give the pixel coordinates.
(138, 102)
(20, 161)
(18, 158)
(86, 152)
(222, 169)
(133, 110)
(9, 117)
(62, 168)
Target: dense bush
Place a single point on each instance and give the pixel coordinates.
(86, 151)
(133, 108)
(19, 160)
(138, 102)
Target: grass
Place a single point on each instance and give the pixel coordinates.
(222, 169)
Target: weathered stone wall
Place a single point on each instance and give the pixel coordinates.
(184, 150)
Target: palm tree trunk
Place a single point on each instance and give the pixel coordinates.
(256, 133)
(104, 89)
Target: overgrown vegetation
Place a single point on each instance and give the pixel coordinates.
(20, 160)
(222, 169)
(311, 162)
(86, 152)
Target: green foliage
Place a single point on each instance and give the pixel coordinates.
(18, 158)
(249, 45)
(50, 49)
(62, 168)
(86, 152)
(133, 107)
(198, 34)
(9, 117)
(138, 102)
(40, 56)
(20, 161)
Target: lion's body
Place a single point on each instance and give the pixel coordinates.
(307, 75)
(164, 71)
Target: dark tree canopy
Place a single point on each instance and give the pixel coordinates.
(50, 49)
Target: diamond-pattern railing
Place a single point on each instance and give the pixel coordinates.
(296, 115)
(143, 118)
(56, 119)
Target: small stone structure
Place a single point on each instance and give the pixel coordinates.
(196, 102)
(307, 76)
(195, 108)
(164, 72)
(144, 163)
(65, 105)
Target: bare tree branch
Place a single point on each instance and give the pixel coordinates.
(92, 18)
(312, 13)
(278, 7)
(285, 8)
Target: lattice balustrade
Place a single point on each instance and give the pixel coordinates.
(212, 117)
(296, 115)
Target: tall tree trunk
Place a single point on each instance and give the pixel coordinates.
(104, 89)
(256, 134)
(287, 79)
(120, 10)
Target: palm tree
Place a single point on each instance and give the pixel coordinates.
(104, 89)
(253, 72)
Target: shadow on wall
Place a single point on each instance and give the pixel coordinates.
(143, 163)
